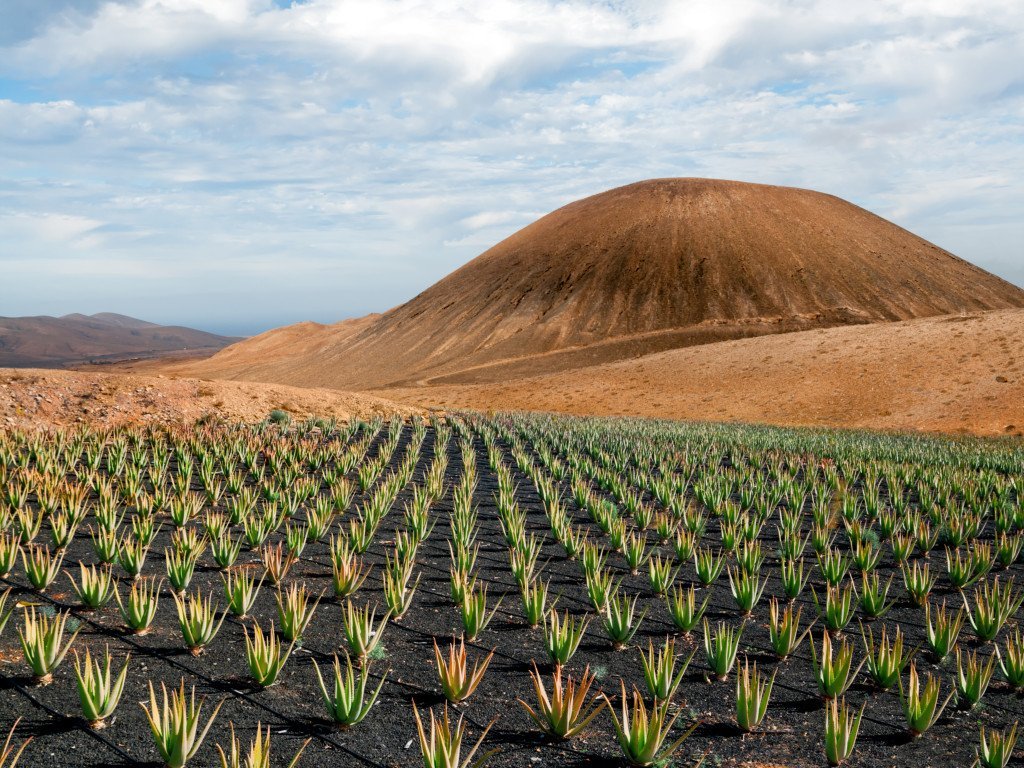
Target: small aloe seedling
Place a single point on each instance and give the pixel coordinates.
(942, 633)
(784, 629)
(458, 681)
(684, 609)
(660, 669)
(620, 620)
(264, 655)
(277, 562)
(139, 609)
(993, 606)
(565, 712)
(294, 611)
(833, 672)
(921, 702)
(181, 565)
(721, 648)
(41, 567)
(791, 572)
(873, 596)
(98, 690)
(349, 573)
(972, 677)
(746, 589)
(361, 631)
(442, 748)
(175, 724)
(919, 582)
(241, 589)
(562, 636)
(346, 700)
(198, 620)
(1011, 660)
(42, 643)
(753, 692)
(95, 587)
(841, 729)
(473, 608)
(535, 596)
(885, 661)
(643, 733)
(840, 605)
(996, 747)
(10, 546)
(258, 755)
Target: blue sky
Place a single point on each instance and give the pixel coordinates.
(241, 164)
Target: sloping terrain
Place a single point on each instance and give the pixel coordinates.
(33, 398)
(957, 373)
(75, 339)
(648, 267)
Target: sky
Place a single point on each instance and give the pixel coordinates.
(235, 165)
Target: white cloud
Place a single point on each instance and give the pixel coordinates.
(381, 143)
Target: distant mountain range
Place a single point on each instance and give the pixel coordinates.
(76, 339)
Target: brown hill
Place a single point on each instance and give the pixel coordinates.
(957, 373)
(652, 266)
(55, 342)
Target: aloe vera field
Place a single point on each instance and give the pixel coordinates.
(509, 590)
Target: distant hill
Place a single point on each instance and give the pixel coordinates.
(650, 267)
(58, 342)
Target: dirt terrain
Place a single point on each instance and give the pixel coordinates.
(39, 398)
(652, 266)
(58, 342)
(947, 374)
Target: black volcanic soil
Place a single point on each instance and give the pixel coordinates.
(791, 735)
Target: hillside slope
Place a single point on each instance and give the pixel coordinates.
(959, 373)
(652, 266)
(75, 339)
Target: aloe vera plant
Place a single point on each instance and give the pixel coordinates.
(686, 613)
(441, 747)
(98, 689)
(885, 661)
(42, 643)
(642, 733)
(841, 729)
(347, 700)
(833, 670)
(996, 747)
(753, 692)
(564, 712)
(139, 609)
(175, 724)
(8, 752)
(197, 618)
(562, 635)
(458, 680)
(258, 754)
(921, 702)
(721, 648)
(265, 655)
(659, 666)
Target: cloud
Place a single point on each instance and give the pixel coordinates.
(332, 157)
